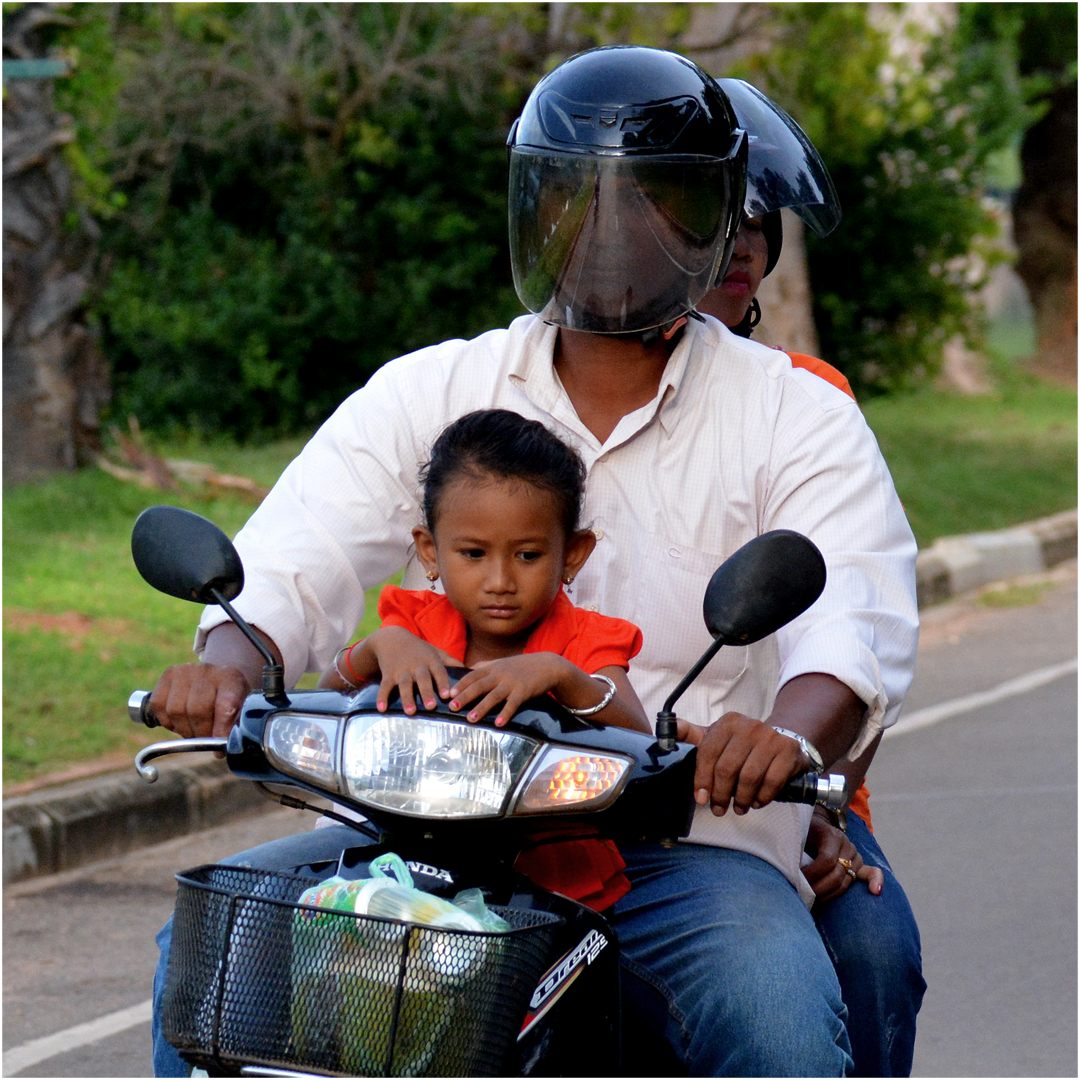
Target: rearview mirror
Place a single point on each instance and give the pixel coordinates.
(768, 582)
(186, 556)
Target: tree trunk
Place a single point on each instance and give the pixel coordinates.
(1044, 217)
(787, 315)
(55, 378)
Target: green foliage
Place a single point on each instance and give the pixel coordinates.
(908, 134)
(295, 214)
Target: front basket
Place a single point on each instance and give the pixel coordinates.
(257, 979)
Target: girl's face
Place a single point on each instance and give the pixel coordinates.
(501, 551)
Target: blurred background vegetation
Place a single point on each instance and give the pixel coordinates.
(281, 197)
(292, 194)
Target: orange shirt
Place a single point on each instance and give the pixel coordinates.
(585, 638)
(578, 863)
(860, 801)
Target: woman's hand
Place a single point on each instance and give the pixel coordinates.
(511, 680)
(402, 660)
(834, 855)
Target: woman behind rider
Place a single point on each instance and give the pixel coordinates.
(870, 933)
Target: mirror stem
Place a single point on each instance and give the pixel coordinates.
(273, 676)
(665, 719)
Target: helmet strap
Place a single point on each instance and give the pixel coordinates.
(752, 317)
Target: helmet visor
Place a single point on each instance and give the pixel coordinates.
(618, 244)
(783, 166)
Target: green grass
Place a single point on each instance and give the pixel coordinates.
(81, 628)
(967, 463)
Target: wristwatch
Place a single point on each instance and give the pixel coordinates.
(808, 747)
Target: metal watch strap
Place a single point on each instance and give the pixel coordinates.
(808, 747)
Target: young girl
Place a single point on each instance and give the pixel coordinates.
(502, 498)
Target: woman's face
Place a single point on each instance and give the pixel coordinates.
(730, 300)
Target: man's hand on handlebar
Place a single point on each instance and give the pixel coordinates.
(197, 700)
(744, 760)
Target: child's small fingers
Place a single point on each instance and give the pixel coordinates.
(408, 697)
(442, 680)
(425, 688)
(383, 698)
(489, 702)
(513, 702)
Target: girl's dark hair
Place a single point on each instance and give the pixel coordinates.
(503, 444)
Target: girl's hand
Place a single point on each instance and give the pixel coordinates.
(512, 681)
(827, 875)
(404, 661)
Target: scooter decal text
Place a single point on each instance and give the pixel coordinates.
(558, 978)
(431, 871)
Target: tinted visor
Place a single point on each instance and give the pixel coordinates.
(783, 167)
(617, 244)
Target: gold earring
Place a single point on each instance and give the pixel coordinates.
(433, 576)
(568, 579)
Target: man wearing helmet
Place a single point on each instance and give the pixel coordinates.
(627, 172)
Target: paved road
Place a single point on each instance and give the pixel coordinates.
(977, 814)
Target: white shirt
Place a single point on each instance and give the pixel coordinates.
(737, 442)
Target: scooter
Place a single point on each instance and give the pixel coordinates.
(262, 981)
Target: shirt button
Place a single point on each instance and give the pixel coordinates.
(598, 533)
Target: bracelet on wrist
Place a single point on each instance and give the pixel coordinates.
(604, 702)
(352, 678)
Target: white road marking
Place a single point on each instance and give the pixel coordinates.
(22, 1057)
(934, 714)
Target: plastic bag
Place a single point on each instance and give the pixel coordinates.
(346, 972)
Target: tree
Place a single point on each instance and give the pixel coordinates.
(55, 378)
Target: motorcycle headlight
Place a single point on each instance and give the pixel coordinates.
(566, 779)
(432, 767)
(303, 746)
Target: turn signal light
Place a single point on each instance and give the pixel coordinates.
(567, 779)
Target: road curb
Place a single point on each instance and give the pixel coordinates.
(957, 564)
(85, 821)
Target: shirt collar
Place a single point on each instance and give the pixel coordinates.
(532, 370)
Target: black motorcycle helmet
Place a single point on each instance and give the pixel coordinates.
(627, 173)
(783, 169)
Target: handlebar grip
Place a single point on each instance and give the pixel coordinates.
(829, 791)
(139, 709)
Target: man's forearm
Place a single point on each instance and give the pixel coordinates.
(823, 709)
(227, 646)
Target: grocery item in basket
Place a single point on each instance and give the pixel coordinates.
(346, 971)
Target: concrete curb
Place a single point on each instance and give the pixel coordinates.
(70, 825)
(957, 564)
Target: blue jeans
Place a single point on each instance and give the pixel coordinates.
(725, 938)
(874, 945)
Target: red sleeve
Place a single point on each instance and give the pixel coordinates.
(400, 607)
(602, 641)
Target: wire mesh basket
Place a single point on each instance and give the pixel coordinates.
(256, 978)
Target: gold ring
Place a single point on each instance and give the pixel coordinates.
(845, 863)
(851, 874)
